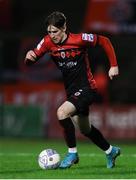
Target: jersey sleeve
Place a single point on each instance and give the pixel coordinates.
(105, 43)
(89, 39)
(41, 48)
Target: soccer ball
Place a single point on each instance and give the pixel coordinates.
(49, 159)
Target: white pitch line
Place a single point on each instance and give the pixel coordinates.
(80, 154)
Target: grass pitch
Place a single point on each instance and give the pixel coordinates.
(18, 160)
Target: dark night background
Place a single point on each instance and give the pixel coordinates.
(23, 21)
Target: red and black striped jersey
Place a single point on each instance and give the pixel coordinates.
(71, 58)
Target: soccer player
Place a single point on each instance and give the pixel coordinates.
(69, 53)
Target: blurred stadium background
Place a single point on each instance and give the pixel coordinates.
(30, 96)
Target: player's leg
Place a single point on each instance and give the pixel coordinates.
(97, 138)
(91, 132)
(64, 112)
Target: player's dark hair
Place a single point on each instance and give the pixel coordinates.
(56, 19)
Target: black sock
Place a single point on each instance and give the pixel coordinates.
(69, 132)
(97, 138)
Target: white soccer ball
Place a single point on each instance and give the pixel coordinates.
(49, 159)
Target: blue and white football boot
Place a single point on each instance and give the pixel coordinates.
(111, 157)
(69, 160)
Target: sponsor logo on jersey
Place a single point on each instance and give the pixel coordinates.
(71, 64)
(67, 65)
(88, 37)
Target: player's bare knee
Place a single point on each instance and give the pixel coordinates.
(62, 114)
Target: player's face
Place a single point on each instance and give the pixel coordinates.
(57, 35)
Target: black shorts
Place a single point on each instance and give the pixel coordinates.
(82, 99)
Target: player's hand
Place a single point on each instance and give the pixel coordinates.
(30, 58)
(114, 71)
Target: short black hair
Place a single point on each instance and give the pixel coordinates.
(56, 19)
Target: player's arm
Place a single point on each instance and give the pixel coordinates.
(30, 58)
(107, 46)
(33, 56)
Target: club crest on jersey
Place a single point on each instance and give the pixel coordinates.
(62, 54)
(77, 93)
(88, 37)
